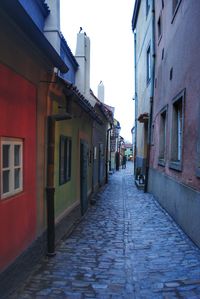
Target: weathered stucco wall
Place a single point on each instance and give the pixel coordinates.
(181, 202)
(181, 43)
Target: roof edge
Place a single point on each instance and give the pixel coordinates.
(19, 15)
(81, 100)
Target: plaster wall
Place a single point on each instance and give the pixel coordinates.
(78, 128)
(181, 202)
(25, 61)
(18, 120)
(180, 42)
(143, 41)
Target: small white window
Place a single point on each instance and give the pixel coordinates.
(177, 131)
(11, 167)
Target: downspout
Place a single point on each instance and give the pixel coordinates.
(107, 136)
(50, 189)
(136, 102)
(151, 97)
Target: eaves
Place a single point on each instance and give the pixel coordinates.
(18, 14)
(72, 90)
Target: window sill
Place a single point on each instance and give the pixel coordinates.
(176, 165)
(64, 182)
(9, 195)
(161, 162)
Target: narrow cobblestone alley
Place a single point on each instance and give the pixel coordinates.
(125, 247)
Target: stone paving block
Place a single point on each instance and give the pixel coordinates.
(126, 247)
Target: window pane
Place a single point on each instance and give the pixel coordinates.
(62, 159)
(6, 175)
(17, 155)
(6, 155)
(17, 178)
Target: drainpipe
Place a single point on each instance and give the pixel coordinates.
(107, 135)
(50, 189)
(151, 96)
(136, 102)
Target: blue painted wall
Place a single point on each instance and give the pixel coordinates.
(69, 60)
(37, 10)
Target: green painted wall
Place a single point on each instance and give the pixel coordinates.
(79, 127)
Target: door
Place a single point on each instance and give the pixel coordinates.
(83, 176)
(101, 164)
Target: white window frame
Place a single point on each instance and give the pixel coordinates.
(177, 131)
(163, 136)
(12, 167)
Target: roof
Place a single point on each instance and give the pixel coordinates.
(135, 13)
(80, 99)
(19, 15)
(106, 110)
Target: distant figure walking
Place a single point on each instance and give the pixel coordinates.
(124, 162)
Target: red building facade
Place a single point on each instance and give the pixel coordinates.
(27, 62)
(18, 198)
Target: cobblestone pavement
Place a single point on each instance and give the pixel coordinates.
(125, 247)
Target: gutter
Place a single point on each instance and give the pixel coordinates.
(22, 19)
(151, 98)
(136, 103)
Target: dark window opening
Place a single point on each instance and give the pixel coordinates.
(65, 159)
(171, 74)
(159, 26)
(148, 64)
(163, 53)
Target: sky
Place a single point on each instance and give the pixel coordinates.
(108, 25)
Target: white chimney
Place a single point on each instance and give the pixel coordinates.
(101, 92)
(83, 58)
(52, 24)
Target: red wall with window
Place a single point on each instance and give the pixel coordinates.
(18, 120)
